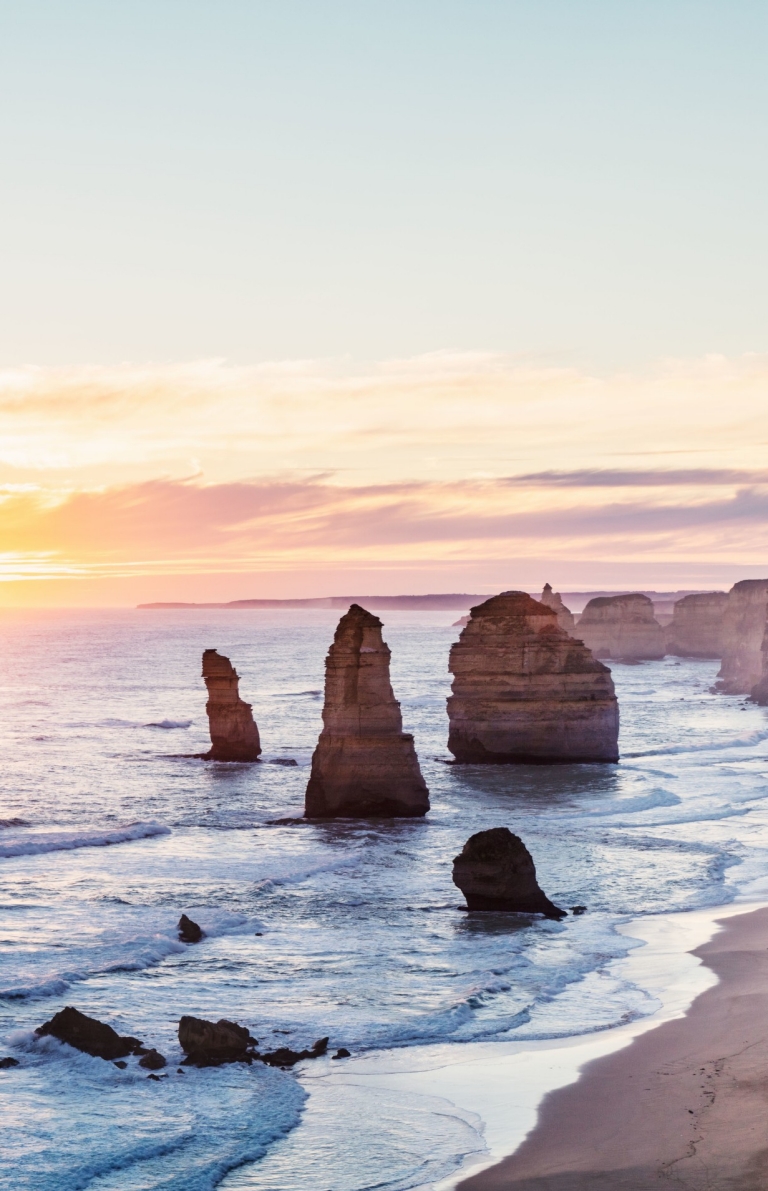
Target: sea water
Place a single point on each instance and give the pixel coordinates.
(111, 826)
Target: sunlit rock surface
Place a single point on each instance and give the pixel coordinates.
(495, 871)
(234, 735)
(565, 618)
(524, 690)
(696, 630)
(622, 626)
(744, 625)
(364, 764)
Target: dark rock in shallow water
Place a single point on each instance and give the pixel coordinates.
(152, 1060)
(88, 1034)
(157, 1078)
(578, 910)
(285, 1057)
(341, 1053)
(189, 931)
(121, 1063)
(8, 1062)
(282, 761)
(495, 871)
(209, 1044)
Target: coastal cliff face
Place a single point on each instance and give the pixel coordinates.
(495, 871)
(696, 630)
(565, 618)
(234, 735)
(622, 627)
(364, 764)
(744, 623)
(525, 691)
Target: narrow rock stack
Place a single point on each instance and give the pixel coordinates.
(234, 735)
(622, 627)
(364, 765)
(744, 624)
(565, 618)
(696, 630)
(525, 691)
(495, 871)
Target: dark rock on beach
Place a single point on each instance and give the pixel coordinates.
(152, 1060)
(209, 1044)
(189, 931)
(495, 871)
(87, 1034)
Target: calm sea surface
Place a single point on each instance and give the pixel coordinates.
(110, 828)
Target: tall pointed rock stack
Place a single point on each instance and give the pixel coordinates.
(553, 599)
(234, 735)
(364, 765)
(525, 691)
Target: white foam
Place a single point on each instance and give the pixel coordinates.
(36, 843)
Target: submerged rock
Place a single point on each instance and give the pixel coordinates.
(189, 931)
(234, 735)
(565, 618)
(8, 1062)
(525, 691)
(495, 871)
(88, 1034)
(744, 624)
(364, 764)
(285, 1057)
(152, 1060)
(696, 630)
(209, 1044)
(622, 627)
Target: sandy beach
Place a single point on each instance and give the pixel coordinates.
(684, 1105)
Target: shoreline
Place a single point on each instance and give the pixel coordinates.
(499, 1086)
(683, 1103)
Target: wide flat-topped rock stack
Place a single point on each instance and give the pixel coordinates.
(364, 764)
(696, 630)
(553, 599)
(525, 691)
(234, 735)
(744, 624)
(622, 626)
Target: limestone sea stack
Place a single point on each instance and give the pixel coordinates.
(565, 618)
(696, 630)
(623, 627)
(495, 871)
(364, 765)
(234, 735)
(744, 623)
(525, 691)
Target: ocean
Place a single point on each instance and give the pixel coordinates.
(111, 827)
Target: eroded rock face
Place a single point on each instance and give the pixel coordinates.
(744, 623)
(565, 618)
(495, 871)
(696, 630)
(622, 627)
(88, 1034)
(234, 735)
(525, 691)
(364, 764)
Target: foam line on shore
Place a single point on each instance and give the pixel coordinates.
(503, 1083)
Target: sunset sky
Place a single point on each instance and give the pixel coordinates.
(310, 298)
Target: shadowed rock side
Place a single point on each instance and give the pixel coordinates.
(565, 618)
(622, 627)
(696, 630)
(364, 764)
(88, 1034)
(759, 693)
(744, 623)
(525, 691)
(495, 871)
(234, 735)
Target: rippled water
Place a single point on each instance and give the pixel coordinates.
(110, 827)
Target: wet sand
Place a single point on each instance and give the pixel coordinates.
(683, 1106)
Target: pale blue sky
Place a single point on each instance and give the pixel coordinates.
(582, 181)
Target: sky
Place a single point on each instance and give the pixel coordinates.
(304, 297)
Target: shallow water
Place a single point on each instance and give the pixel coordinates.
(110, 827)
